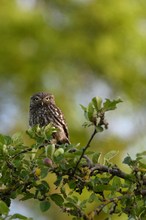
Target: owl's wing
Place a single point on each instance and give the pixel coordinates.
(59, 119)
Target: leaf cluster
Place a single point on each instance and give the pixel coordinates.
(95, 112)
(25, 172)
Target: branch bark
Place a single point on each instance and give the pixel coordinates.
(115, 171)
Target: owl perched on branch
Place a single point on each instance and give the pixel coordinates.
(43, 111)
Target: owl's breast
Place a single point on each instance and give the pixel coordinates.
(39, 116)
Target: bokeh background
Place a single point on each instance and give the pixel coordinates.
(75, 49)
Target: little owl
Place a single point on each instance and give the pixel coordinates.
(43, 111)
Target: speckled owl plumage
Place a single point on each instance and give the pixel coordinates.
(43, 111)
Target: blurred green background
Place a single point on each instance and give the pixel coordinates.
(75, 49)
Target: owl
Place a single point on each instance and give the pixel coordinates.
(43, 111)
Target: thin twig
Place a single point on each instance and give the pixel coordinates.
(84, 150)
(89, 162)
(112, 200)
(26, 151)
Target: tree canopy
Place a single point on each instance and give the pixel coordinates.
(76, 50)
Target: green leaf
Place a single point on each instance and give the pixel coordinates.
(58, 180)
(2, 139)
(72, 184)
(87, 124)
(83, 108)
(110, 155)
(116, 183)
(70, 205)
(63, 191)
(58, 199)
(91, 110)
(44, 206)
(49, 130)
(59, 152)
(27, 196)
(110, 105)
(141, 155)
(43, 187)
(99, 128)
(17, 138)
(73, 199)
(92, 198)
(83, 204)
(3, 208)
(97, 102)
(96, 157)
(127, 160)
(85, 111)
(100, 187)
(44, 172)
(49, 149)
(142, 166)
(18, 216)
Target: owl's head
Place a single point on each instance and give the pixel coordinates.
(41, 98)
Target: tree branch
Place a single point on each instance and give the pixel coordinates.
(115, 171)
(112, 200)
(84, 150)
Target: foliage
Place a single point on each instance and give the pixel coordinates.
(24, 171)
(73, 49)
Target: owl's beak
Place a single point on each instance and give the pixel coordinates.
(43, 101)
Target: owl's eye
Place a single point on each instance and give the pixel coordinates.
(47, 98)
(36, 99)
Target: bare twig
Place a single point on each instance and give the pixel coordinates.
(89, 162)
(112, 200)
(115, 202)
(84, 150)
